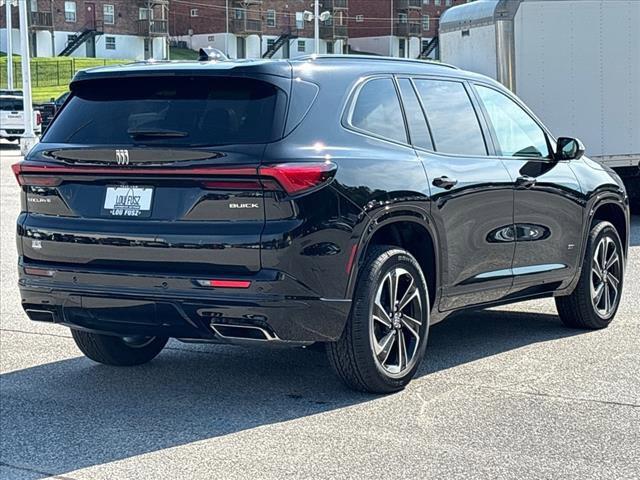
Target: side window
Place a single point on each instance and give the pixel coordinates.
(377, 110)
(518, 135)
(452, 118)
(418, 130)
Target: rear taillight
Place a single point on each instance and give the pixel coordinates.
(34, 180)
(38, 118)
(296, 178)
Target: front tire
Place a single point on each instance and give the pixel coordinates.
(595, 301)
(385, 338)
(118, 351)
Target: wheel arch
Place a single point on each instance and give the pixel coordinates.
(612, 210)
(406, 229)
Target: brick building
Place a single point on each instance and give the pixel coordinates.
(384, 27)
(127, 29)
(255, 28)
(399, 28)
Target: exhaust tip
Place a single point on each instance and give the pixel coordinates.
(243, 332)
(41, 315)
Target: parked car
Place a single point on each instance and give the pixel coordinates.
(12, 117)
(349, 201)
(50, 109)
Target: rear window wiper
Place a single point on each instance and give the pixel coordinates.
(157, 133)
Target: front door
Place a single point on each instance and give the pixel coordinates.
(548, 213)
(90, 15)
(241, 47)
(91, 47)
(148, 49)
(471, 193)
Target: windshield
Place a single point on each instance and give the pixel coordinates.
(182, 111)
(11, 104)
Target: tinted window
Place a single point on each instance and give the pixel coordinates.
(518, 135)
(11, 104)
(377, 110)
(168, 111)
(418, 130)
(452, 118)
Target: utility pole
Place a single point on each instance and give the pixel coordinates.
(29, 138)
(391, 36)
(316, 25)
(226, 36)
(9, 45)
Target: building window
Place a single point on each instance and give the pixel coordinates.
(437, 2)
(359, 18)
(425, 2)
(145, 14)
(110, 43)
(329, 47)
(193, 12)
(211, 38)
(238, 13)
(299, 20)
(270, 43)
(271, 18)
(447, 3)
(70, 11)
(109, 14)
(402, 18)
(426, 22)
(302, 46)
(34, 5)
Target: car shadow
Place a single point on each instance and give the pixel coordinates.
(72, 414)
(635, 231)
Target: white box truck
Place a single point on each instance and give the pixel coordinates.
(576, 63)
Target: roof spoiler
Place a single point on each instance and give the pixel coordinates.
(208, 54)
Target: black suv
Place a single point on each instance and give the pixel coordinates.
(349, 201)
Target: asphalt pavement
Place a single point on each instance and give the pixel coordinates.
(503, 393)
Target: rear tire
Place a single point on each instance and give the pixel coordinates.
(385, 337)
(594, 303)
(118, 351)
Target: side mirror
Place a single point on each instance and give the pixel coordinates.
(569, 149)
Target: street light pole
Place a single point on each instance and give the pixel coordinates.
(391, 35)
(226, 35)
(316, 25)
(9, 45)
(29, 138)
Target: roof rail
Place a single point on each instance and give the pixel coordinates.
(373, 58)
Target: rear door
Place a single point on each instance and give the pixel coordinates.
(471, 192)
(153, 175)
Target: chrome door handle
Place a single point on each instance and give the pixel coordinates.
(525, 182)
(444, 182)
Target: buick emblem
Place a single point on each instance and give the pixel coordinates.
(122, 157)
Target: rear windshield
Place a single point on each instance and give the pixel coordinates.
(181, 111)
(11, 104)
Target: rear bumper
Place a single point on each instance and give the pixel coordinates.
(127, 303)
(17, 132)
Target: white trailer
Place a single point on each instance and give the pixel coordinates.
(576, 63)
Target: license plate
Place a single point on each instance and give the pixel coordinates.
(128, 201)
